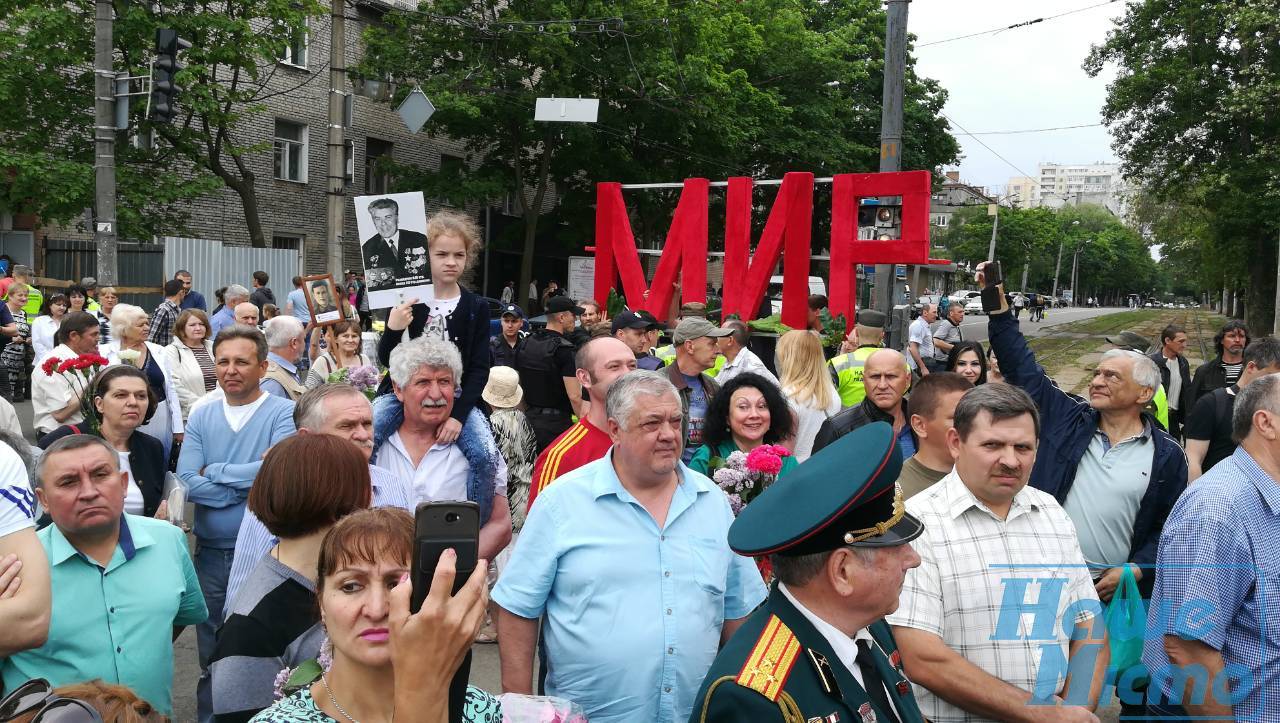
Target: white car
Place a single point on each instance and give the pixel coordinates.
(974, 306)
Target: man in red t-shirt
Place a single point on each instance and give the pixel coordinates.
(599, 362)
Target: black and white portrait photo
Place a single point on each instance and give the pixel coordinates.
(393, 246)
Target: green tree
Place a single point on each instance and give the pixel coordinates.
(46, 119)
(1192, 110)
(757, 87)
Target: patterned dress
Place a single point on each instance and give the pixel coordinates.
(516, 442)
(300, 707)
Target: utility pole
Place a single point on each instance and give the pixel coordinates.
(895, 60)
(104, 135)
(336, 192)
(1057, 269)
(995, 224)
(1275, 322)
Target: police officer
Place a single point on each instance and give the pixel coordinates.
(848, 366)
(502, 348)
(819, 650)
(548, 373)
(633, 328)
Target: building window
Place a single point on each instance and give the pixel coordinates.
(286, 241)
(291, 151)
(940, 221)
(350, 165)
(295, 51)
(377, 153)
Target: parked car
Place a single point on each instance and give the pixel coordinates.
(917, 307)
(816, 286)
(973, 306)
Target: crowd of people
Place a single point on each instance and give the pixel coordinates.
(918, 506)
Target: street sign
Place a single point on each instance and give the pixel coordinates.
(567, 110)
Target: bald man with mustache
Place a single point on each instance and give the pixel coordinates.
(886, 378)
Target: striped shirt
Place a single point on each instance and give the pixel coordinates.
(579, 445)
(971, 561)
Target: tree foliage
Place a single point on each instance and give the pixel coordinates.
(756, 87)
(1114, 259)
(47, 106)
(1193, 111)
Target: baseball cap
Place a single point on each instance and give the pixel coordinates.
(513, 310)
(89, 282)
(634, 320)
(695, 328)
(558, 304)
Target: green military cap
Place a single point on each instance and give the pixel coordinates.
(844, 495)
(871, 317)
(1131, 340)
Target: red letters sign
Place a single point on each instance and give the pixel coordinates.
(786, 235)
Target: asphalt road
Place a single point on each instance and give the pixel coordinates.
(485, 672)
(974, 326)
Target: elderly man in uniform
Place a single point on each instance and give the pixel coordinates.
(819, 648)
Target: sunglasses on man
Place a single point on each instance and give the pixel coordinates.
(37, 696)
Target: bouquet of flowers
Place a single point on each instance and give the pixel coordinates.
(744, 475)
(363, 378)
(76, 371)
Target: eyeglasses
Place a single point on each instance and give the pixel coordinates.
(38, 696)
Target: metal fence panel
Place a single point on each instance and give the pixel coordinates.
(213, 266)
(138, 265)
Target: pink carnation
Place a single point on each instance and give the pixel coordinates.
(764, 459)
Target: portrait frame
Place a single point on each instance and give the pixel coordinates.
(323, 315)
(394, 256)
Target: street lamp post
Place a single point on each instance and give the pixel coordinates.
(1058, 267)
(995, 225)
(1075, 262)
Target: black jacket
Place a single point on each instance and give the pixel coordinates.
(146, 460)
(1185, 399)
(469, 331)
(859, 415)
(1210, 376)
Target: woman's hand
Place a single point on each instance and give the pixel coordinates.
(10, 566)
(449, 431)
(401, 315)
(427, 647)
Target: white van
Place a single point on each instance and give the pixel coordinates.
(816, 286)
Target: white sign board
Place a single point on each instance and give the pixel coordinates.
(582, 278)
(567, 110)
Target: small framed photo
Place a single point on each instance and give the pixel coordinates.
(323, 299)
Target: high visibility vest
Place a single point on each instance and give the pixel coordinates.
(1161, 401)
(666, 353)
(848, 369)
(714, 371)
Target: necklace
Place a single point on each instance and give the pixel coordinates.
(324, 680)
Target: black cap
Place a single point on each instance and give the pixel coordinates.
(871, 317)
(558, 304)
(513, 310)
(844, 495)
(634, 320)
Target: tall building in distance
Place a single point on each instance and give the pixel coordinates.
(1061, 184)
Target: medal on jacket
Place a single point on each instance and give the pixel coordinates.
(868, 715)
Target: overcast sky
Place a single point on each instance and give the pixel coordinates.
(1018, 79)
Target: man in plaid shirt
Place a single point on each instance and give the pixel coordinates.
(1002, 598)
(166, 313)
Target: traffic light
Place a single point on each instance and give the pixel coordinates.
(164, 91)
(888, 222)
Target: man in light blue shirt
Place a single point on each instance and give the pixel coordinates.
(343, 411)
(121, 584)
(627, 562)
(226, 316)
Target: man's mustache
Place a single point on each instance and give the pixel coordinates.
(431, 403)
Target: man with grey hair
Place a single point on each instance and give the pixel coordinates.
(339, 410)
(1209, 434)
(1220, 551)
(629, 553)
(987, 536)
(285, 344)
(226, 316)
(738, 358)
(1106, 461)
(425, 372)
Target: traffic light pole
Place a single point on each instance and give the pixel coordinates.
(895, 58)
(104, 134)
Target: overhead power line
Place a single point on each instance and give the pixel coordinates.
(1030, 130)
(989, 148)
(1023, 24)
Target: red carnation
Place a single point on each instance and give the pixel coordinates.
(49, 365)
(66, 365)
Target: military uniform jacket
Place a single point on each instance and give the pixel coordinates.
(778, 667)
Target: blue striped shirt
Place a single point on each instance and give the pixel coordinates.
(1218, 582)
